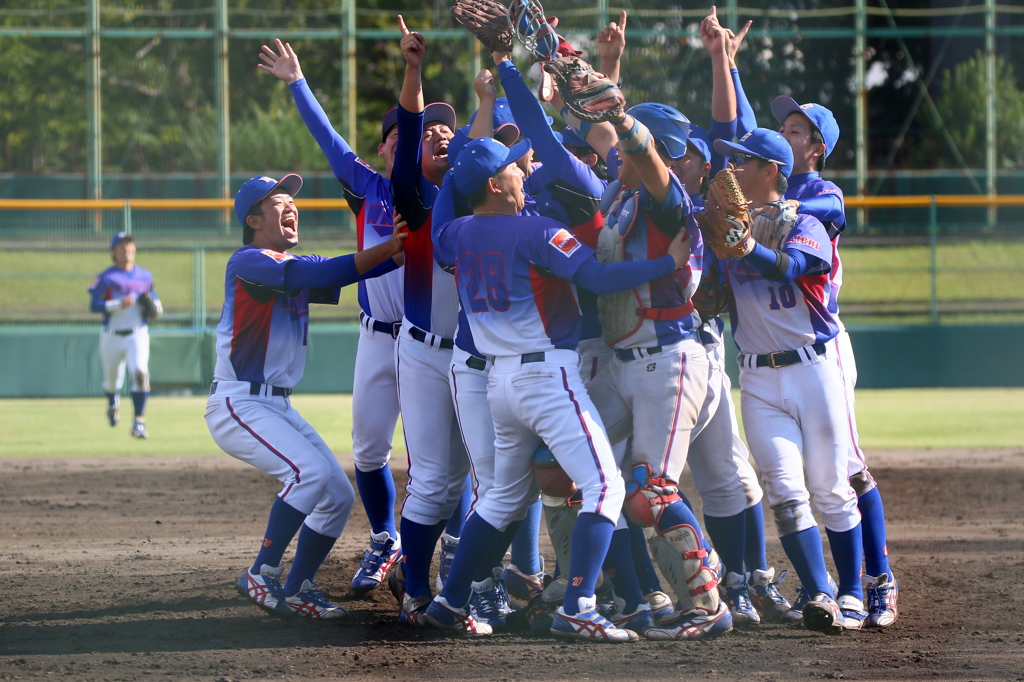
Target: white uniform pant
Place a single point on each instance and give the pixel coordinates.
(848, 368)
(546, 402)
(718, 459)
(594, 355)
(117, 351)
(476, 426)
(268, 433)
(374, 398)
(795, 419)
(438, 464)
(656, 399)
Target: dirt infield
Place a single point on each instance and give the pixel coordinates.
(123, 569)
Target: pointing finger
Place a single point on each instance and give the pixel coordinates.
(401, 25)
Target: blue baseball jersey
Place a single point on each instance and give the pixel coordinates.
(369, 197)
(263, 328)
(769, 316)
(513, 275)
(823, 200)
(114, 284)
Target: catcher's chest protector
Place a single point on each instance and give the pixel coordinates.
(618, 311)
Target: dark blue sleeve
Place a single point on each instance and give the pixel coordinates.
(97, 292)
(765, 259)
(346, 165)
(828, 208)
(608, 278)
(412, 193)
(444, 213)
(333, 272)
(531, 119)
(720, 131)
(745, 119)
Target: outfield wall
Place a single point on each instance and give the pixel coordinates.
(64, 361)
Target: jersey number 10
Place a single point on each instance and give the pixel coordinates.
(786, 296)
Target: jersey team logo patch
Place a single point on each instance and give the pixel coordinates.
(565, 242)
(277, 255)
(806, 241)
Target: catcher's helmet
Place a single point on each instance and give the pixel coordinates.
(667, 125)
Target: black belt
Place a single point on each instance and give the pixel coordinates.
(256, 388)
(627, 354)
(531, 357)
(473, 362)
(421, 336)
(124, 332)
(785, 358)
(391, 328)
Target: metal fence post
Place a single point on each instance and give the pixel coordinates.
(933, 246)
(127, 226)
(199, 287)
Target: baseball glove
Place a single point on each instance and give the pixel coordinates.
(588, 94)
(773, 223)
(725, 220)
(711, 298)
(487, 20)
(149, 307)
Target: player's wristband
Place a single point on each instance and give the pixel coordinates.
(112, 305)
(635, 140)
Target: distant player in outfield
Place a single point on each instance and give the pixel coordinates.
(261, 355)
(125, 336)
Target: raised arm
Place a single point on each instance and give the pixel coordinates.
(745, 118)
(611, 42)
(413, 49)
(483, 124)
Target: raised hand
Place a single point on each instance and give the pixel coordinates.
(611, 40)
(283, 63)
(412, 44)
(734, 41)
(484, 85)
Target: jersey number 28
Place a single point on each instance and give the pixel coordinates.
(488, 273)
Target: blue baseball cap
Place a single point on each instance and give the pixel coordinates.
(699, 140)
(505, 129)
(256, 190)
(762, 143)
(435, 111)
(482, 158)
(820, 117)
(120, 237)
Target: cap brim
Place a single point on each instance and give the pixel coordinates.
(439, 111)
(389, 121)
(290, 184)
(783, 106)
(518, 151)
(507, 134)
(729, 148)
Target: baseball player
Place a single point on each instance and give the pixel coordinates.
(812, 132)
(513, 275)
(374, 388)
(438, 465)
(261, 353)
(124, 338)
(793, 400)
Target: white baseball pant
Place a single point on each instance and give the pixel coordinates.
(848, 369)
(116, 351)
(546, 401)
(594, 355)
(268, 433)
(437, 459)
(374, 398)
(476, 427)
(656, 399)
(795, 419)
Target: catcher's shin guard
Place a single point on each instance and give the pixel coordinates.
(683, 562)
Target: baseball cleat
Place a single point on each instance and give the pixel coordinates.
(765, 596)
(264, 589)
(396, 581)
(883, 592)
(440, 613)
(522, 586)
(661, 606)
(113, 413)
(377, 562)
(639, 620)
(139, 429)
(449, 544)
(854, 615)
(737, 595)
(795, 613)
(413, 610)
(486, 602)
(588, 625)
(693, 624)
(822, 614)
(310, 602)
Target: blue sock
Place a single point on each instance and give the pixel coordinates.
(112, 400)
(645, 573)
(729, 535)
(310, 552)
(458, 519)
(525, 553)
(872, 523)
(686, 501)
(418, 543)
(619, 563)
(493, 557)
(808, 558)
(847, 552)
(377, 490)
(680, 514)
(282, 526)
(139, 402)
(477, 543)
(755, 554)
(590, 540)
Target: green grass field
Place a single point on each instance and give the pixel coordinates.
(900, 419)
(891, 284)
